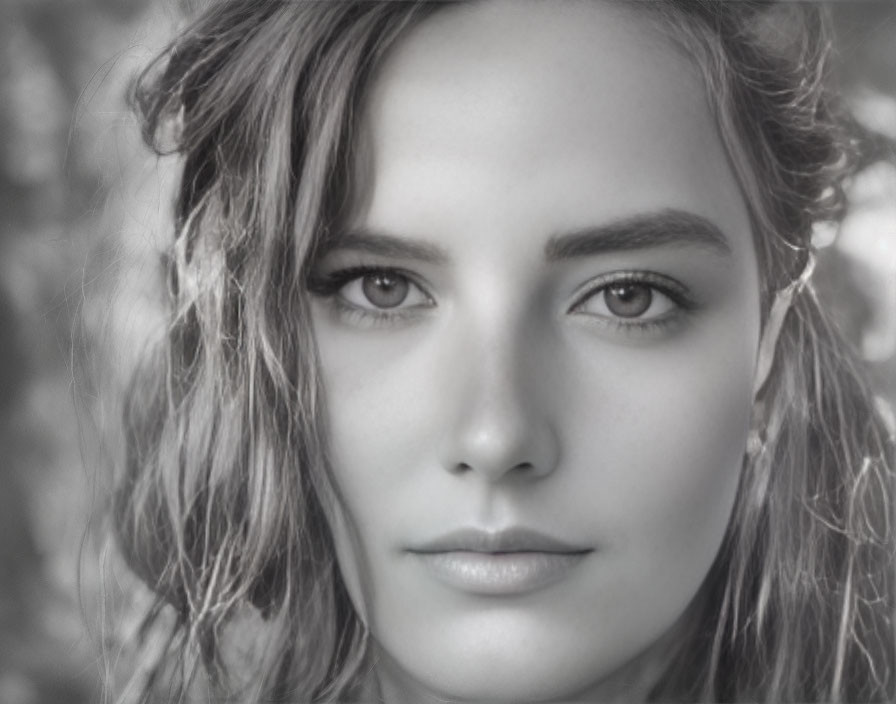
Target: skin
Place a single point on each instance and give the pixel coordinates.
(498, 393)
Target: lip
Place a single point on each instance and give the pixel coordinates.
(496, 563)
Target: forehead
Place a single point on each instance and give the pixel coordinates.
(580, 104)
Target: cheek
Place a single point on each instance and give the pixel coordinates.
(664, 448)
(382, 414)
(384, 407)
(683, 473)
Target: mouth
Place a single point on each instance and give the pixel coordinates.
(502, 563)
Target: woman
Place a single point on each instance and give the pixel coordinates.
(492, 372)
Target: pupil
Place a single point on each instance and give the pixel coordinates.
(385, 290)
(628, 300)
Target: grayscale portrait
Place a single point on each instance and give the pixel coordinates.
(481, 351)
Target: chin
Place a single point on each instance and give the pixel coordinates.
(517, 683)
(497, 669)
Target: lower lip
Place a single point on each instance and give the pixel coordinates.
(500, 574)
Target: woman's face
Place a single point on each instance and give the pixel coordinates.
(538, 331)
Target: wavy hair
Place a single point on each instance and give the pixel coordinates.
(219, 502)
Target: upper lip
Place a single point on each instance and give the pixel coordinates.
(506, 540)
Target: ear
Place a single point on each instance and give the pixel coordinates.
(768, 342)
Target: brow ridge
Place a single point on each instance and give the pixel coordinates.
(669, 227)
(663, 228)
(382, 244)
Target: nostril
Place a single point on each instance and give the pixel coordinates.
(462, 468)
(522, 467)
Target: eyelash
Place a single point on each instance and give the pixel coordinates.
(329, 285)
(671, 289)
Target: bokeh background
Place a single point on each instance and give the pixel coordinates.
(73, 175)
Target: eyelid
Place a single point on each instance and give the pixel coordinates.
(330, 283)
(660, 282)
(330, 287)
(666, 285)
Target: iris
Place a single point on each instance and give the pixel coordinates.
(628, 300)
(384, 289)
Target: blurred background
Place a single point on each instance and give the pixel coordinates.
(73, 172)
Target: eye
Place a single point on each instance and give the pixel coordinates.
(382, 290)
(631, 299)
(628, 300)
(378, 290)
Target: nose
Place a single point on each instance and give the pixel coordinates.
(501, 394)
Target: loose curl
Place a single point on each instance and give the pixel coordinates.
(220, 501)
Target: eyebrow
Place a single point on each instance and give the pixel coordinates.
(372, 242)
(663, 228)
